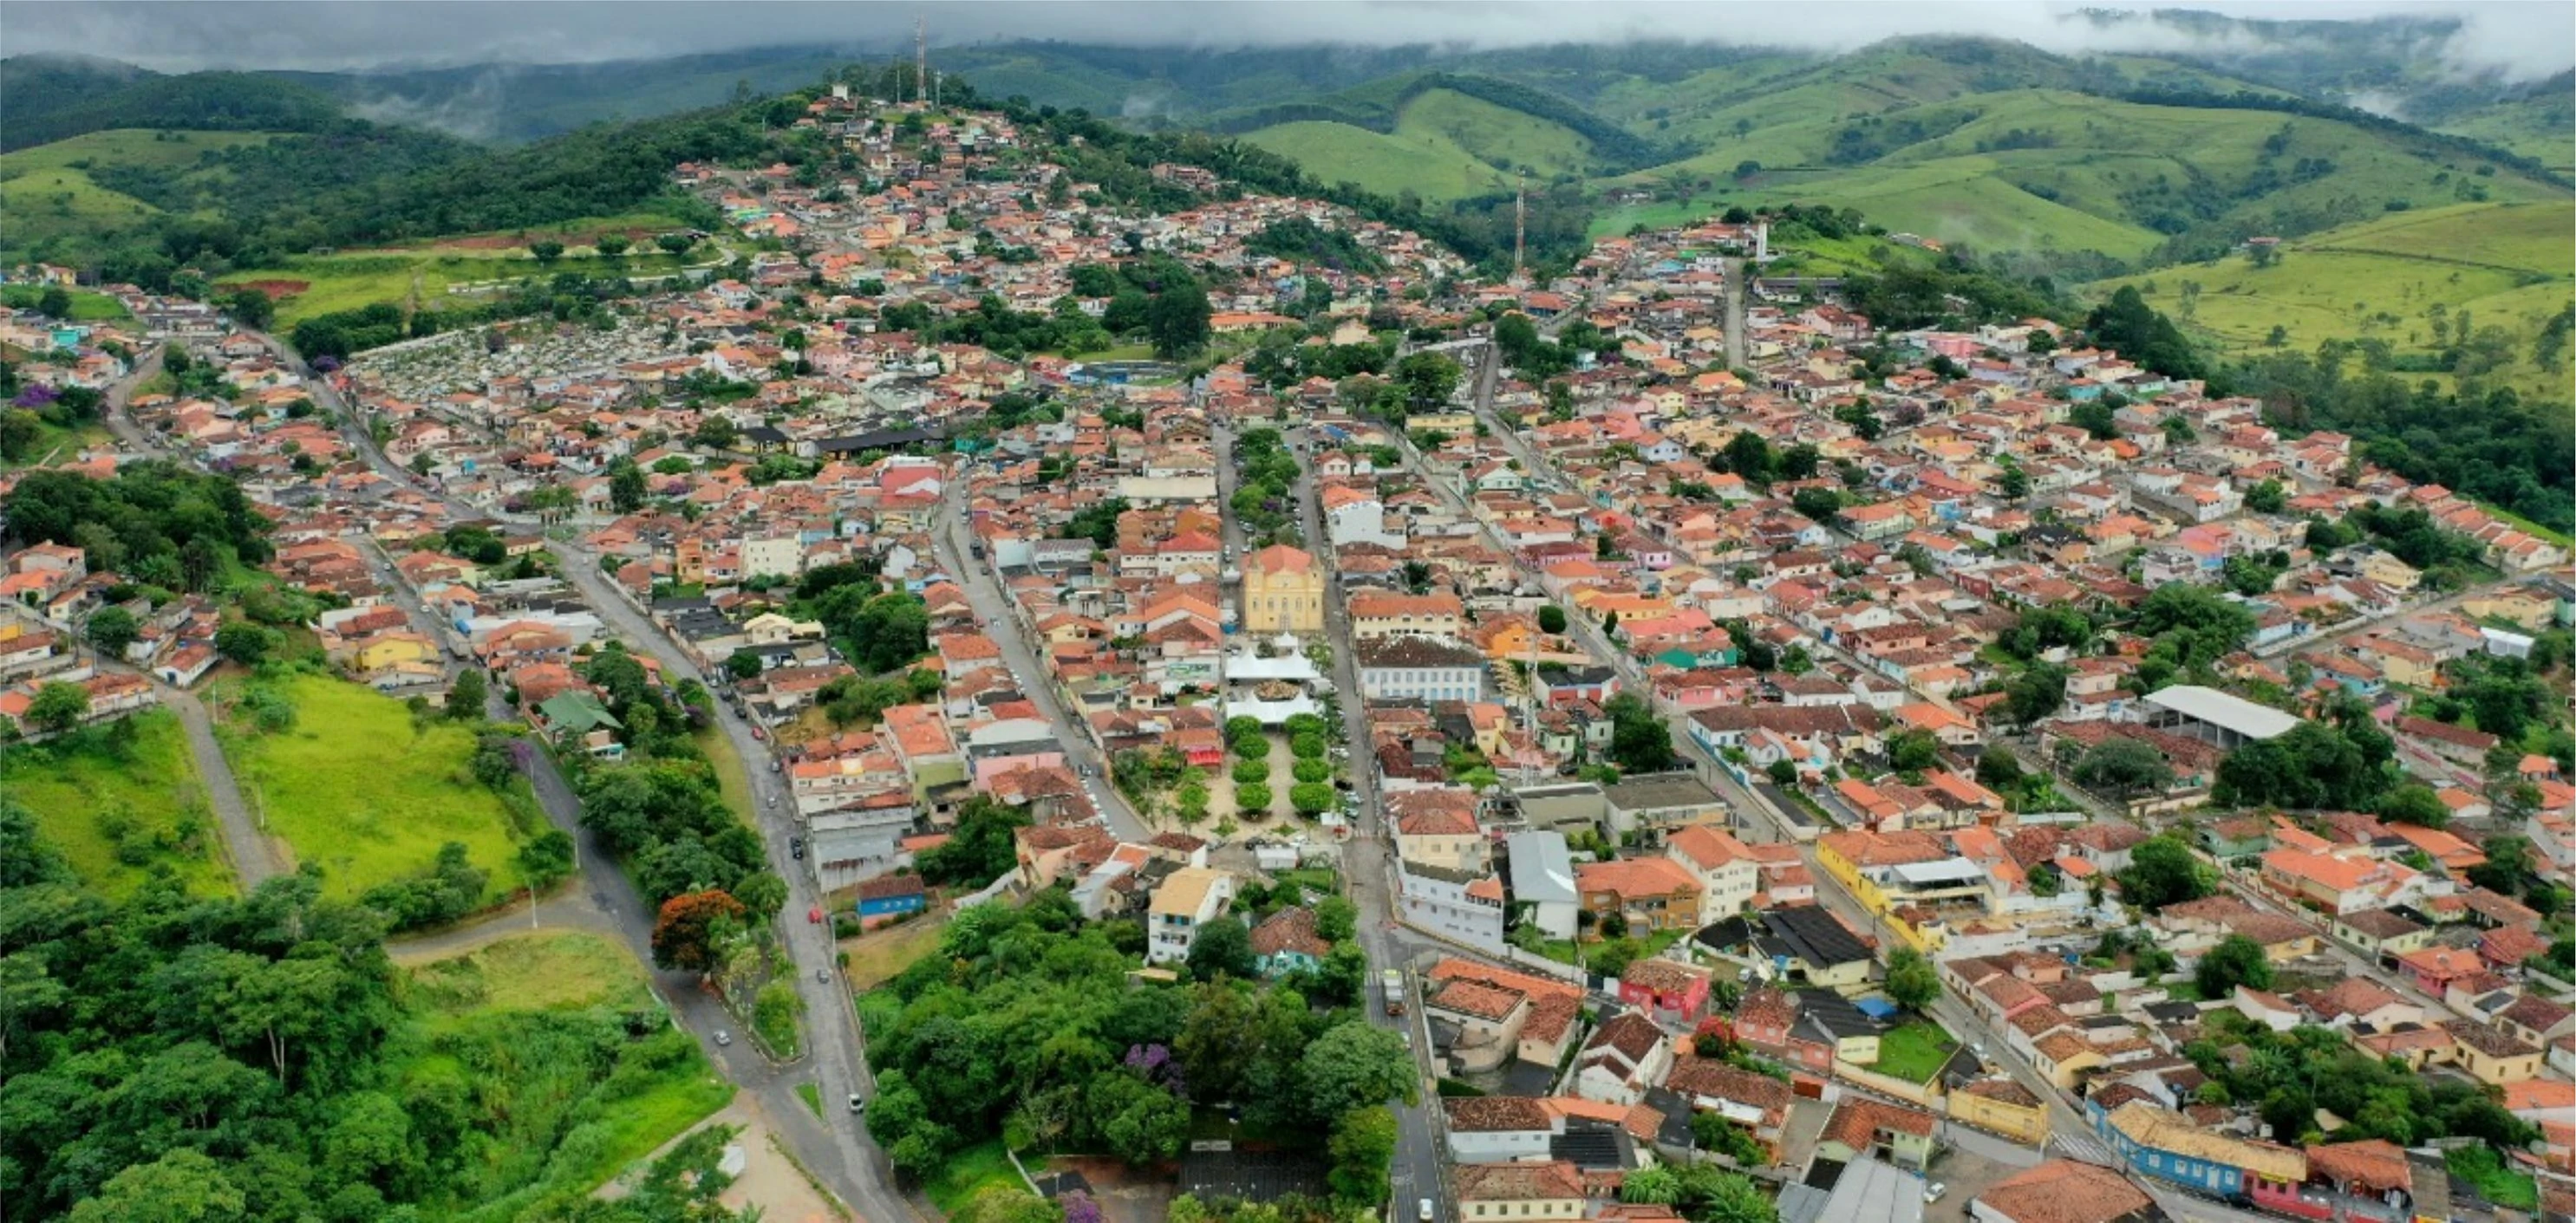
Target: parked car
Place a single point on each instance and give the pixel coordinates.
(1426, 1211)
(723, 1037)
(796, 848)
(857, 1105)
(1933, 1191)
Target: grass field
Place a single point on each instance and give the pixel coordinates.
(971, 1171)
(2505, 265)
(118, 813)
(355, 279)
(355, 791)
(56, 444)
(1914, 1051)
(1339, 152)
(873, 959)
(731, 780)
(87, 306)
(525, 1033)
(1500, 137)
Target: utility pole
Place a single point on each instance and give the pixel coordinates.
(920, 59)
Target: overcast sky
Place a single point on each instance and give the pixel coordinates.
(2525, 39)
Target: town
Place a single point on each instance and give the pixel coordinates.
(1648, 743)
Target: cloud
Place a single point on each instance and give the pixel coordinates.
(2519, 40)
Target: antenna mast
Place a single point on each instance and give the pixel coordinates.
(1520, 223)
(920, 59)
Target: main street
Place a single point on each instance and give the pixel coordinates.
(1368, 859)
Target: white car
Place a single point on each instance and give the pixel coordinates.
(1426, 1211)
(1933, 1192)
(723, 1037)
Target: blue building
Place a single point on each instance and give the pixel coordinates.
(890, 896)
(2159, 1143)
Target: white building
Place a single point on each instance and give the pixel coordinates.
(1188, 900)
(1461, 906)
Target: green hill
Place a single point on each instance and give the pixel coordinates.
(2534, 122)
(1386, 164)
(203, 101)
(2405, 281)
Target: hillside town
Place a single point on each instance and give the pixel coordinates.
(1927, 773)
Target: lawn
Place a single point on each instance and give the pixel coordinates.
(87, 306)
(119, 811)
(730, 774)
(812, 1096)
(1915, 1051)
(525, 1033)
(971, 1171)
(873, 959)
(1377, 161)
(56, 444)
(357, 791)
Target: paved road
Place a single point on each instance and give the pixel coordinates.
(129, 434)
(1001, 621)
(255, 856)
(1368, 863)
(841, 1153)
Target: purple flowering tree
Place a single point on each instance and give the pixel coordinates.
(1154, 1064)
(1078, 1207)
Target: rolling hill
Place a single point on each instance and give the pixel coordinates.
(2405, 281)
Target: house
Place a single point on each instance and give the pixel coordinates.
(1661, 800)
(1498, 1129)
(1803, 944)
(1728, 873)
(1657, 984)
(1646, 893)
(1187, 901)
(2064, 1191)
(2492, 1055)
(1864, 1127)
(888, 897)
(2001, 1106)
(1286, 942)
(1517, 1191)
(1757, 1102)
(1626, 1055)
(1419, 669)
(2162, 1145)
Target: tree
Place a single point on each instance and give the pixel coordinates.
(1652, 1185)
(111, 629)
(626, 486)
(1355, 1065)
(244, 642)
(1913, 750)
(1363, 1152)
(1177, 319)
(183, 1186)
(1252, 799)
(1223, 948)
(690, 932)
(2236, 960)
(1141, 1123)
(465, 697)
(2162, 871)
(2414, 803)
(546, 250)
(546, 859)
(611, 245)
(2036, 693)
(2507, 867)
(743, 664)
(984, 847)
(58, 707)
(1782, 772)
(1311, 799)
(1336, 919)
(1429, 379)
(1912, 982)
(2266, 498)
(1818, 504)
(54, 303)
(1712, 1195)
(1551, 619)
(675, 244)
(2124, 766)
(1639, 742)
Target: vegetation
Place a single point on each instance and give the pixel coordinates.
(372, 796)
(1122, 1063)
(123, 803)
(2288, 1076)
(263, 1059)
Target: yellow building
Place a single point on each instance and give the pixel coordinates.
(388, 648)
(1283, 592)
(2002, 1106)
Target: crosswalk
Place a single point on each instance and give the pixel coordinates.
(2084, 1146)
